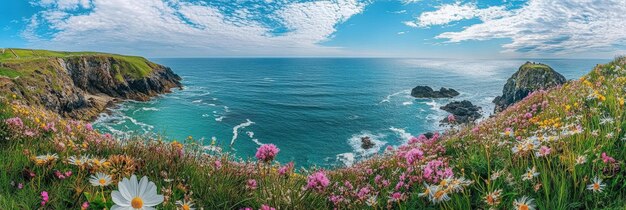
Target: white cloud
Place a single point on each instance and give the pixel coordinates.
(455, 12)
(410, 24)
(163, 27)
(550, 27)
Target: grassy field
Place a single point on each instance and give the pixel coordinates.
(26, 61)
(561, 148)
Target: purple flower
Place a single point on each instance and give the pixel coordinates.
(89, 127)
(317, 181)
(607, 159)
(16, 122)
(267, 152)
(283, 170)
(44, 198)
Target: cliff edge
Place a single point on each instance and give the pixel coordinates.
(80, 85)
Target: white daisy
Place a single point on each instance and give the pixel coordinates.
(530, 174)
(136, 195)
(100, 179)
(524, 203)
(78, 161)
(185, 205)
(597, 185)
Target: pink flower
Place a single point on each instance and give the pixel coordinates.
(89, 127)
(528, 115)
(16, 122)
(283, 170)
(20, 186)
(396, 196)
(451, 118)
(217, 164)
(607, 159)
(317, 181)
(267, 152)
(544, 151)
(50, 127)
(251, 184)
(44, 198)
(266, 207)
(413, 155)
(84, 206)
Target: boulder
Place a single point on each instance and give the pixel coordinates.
(529, 78)
(428, 92)
(367, 143)
(463, 112)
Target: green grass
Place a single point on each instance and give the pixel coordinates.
(10, 73)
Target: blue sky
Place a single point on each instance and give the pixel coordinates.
(370, 28)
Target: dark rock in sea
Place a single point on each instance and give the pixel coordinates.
(429, 135)
(463, 112)
(529, 78)
(367, 143)
(427, 92)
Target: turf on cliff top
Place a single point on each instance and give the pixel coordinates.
(560, 148)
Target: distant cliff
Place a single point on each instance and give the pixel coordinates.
(80, 85)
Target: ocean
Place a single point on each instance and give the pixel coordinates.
(314, 109)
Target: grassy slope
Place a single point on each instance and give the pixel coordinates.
(583, 118)
(30, 60)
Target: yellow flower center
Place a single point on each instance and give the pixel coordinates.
(186, 207)
(136, 202)
(522, 207)
(439, 194)
(102, 181)
(596, 186)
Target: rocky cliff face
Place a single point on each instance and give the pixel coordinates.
(529, 78)
(81, 87)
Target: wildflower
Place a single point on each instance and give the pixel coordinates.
(606, 158)
(597, 185)
(543, 151)
(524, 203)
(396, 197)
(283, 170)
(457, 184)
(266, 207)
(136, 194)
(78, 161)
(412, 155)
(372, 200)
(217, 164)
(100, 179)
(508, 132)
(525, 146)
(85, 206)
(44, 198)
(317, 181)
(497, 174)
(451, 118)
(251, 184)
(439, 195)
(428, 190)
(16, 122)
(185, 205)
(20, 186)
(581, 159)
(267, 152)
(46, 159)
(530, 174)
(621, 101)
(493, 198)
(89, 127)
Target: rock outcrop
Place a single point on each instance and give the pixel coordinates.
(427, 92)
(367, 143)
(81, 87)
(529, 78)
(463, 112)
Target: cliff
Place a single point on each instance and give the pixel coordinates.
(80, 85)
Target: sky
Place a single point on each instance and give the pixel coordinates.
(314, 28)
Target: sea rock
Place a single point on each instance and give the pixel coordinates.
(428, 92)
(367, 143)
(82, 87)
(463, 112)
(529, 78)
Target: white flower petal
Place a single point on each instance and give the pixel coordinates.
(143, 183)
(153, 200)
(151, 189)
(116, 207)
(124, 189)
(119, 199)
(134, 188)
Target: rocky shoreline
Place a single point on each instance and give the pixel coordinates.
(82, 87)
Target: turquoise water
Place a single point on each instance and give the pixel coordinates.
(314, 110)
